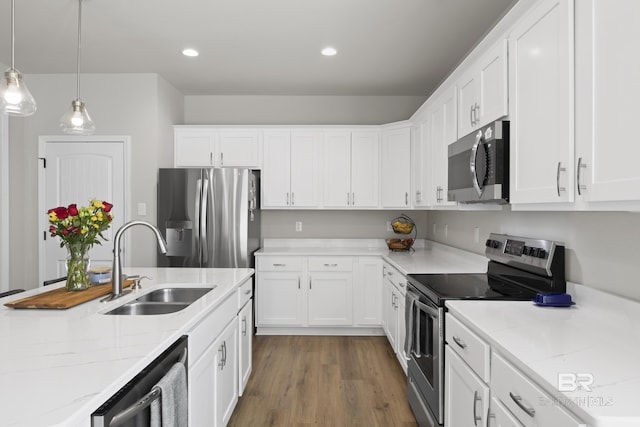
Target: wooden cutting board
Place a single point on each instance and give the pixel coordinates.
(62, 299)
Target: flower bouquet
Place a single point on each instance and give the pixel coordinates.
(79, 228)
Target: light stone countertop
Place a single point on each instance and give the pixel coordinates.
(599, 336)
(58, 366)
(428, 257)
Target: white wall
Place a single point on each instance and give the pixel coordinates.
(299, 110)
(120, 104)
(602, 248)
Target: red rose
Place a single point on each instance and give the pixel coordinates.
(73, 210)
(61, 212)
(107, 206)
(65, 232)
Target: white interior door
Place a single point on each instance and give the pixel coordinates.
(76, 170)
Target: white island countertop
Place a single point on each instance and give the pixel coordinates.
(596, 338)
(59, 366)
(428, 257)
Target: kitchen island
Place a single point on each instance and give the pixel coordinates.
(58, 366)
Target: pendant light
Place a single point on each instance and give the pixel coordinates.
(76, 120)
(15, 98)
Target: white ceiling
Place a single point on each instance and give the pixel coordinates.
(255, 47)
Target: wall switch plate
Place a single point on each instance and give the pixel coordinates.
(389, 228)
(476, 234)
(435, 228)
(446, 230)
(142, 209)
(298, 225)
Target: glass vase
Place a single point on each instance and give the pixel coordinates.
(77, 269)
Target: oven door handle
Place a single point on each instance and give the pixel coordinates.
(432, 312)
(409, 321)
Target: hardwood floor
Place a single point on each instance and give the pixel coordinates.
(324, 381)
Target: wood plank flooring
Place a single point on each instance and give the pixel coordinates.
(324, 381)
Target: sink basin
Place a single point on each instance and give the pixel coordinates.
(148, 308)
(161, 301)
(180, 295)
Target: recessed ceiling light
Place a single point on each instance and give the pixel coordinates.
(190, 52)
(329, 51)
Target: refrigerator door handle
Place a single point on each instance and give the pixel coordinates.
(203, 225)
(197, 221)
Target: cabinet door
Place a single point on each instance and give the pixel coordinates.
(391, 318)
(226, 388)
(402, 332)
(202, 389)
(329, 299)
(419, 164)
(396, 168)
(365, 169)
(468, 102)
(466, 399)
(194, 147)
(245, 340)
(541, 104)
(276, 173)
(493, 84)
(368, 292)
(239, 149)
(442, 132)
(336, 168)
(279, 298)
(607, 97)
(499, 416)
(305, 173)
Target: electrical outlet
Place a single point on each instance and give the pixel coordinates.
(435, 228)
(389, 228)
(298, 225)
(476, 234)
(446, 230)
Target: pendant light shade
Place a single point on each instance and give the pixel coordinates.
(76, 120)
(15, 98)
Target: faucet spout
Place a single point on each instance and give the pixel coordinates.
(117, 278)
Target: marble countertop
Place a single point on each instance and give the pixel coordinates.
(58, 366)
(428, 257)
(598, 336)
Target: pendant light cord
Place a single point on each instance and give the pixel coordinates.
(79, 42)
(13, 34)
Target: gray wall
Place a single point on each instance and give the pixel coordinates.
(299, 110)
(602, 248)
(142, 106)
(335, 224)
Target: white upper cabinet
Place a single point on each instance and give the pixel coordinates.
(396, 168)
(607, 94)
(290, 176)
(442, 131)
(419, 164)
(482, 90)
(541, 104)
(351, 169)
(212, 147)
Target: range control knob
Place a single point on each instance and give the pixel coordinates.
(495, 244)
(541, 253)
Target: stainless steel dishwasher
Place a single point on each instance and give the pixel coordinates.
(130, 406)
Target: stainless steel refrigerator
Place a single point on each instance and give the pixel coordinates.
(209, 217)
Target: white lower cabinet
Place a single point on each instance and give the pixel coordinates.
(245, 334)
(213, 367)
(329, 299)
(394, 293)
(367, 290)
(466, 399)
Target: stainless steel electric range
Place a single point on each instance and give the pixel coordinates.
(518, 269)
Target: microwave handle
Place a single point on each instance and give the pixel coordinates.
(472, 163)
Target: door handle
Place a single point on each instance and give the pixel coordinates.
(292, 198)
(221, 159)
(406, 198)
(287, 199)
(518, 400)
(560, 169)
(244, 326)
(460, 343)
(476, 398)
(579, 176)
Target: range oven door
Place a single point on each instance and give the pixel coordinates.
(424, 347)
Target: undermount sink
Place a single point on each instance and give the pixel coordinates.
(161, 301)
(183, 295)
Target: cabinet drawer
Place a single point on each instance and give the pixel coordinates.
(206, 331)
(529, 403)
(471, 348)
(396, 278)
(245, 292)
(280, 263)
(330, 264)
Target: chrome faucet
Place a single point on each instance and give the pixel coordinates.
(116, 275)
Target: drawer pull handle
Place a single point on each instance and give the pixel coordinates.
(518, 400)
(279, 265)
(458, 341)
(331, 265)
(247, 292)
(476, 398)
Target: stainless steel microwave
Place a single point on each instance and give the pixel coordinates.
(479, 166)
